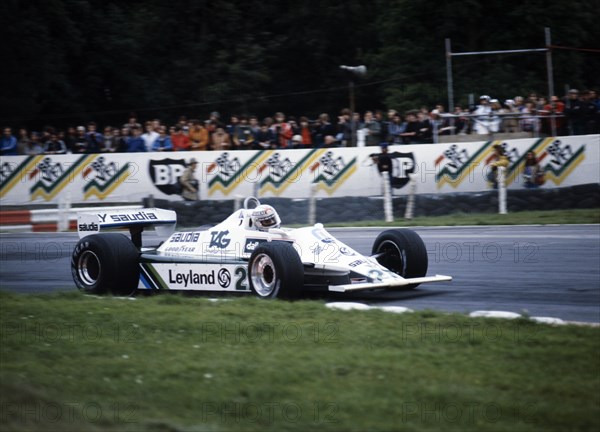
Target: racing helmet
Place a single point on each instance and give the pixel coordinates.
(265, 217)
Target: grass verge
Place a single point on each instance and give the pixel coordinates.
(542, 217)
(72, 362)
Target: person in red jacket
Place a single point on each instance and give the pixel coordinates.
(180, 140)
(282, 130)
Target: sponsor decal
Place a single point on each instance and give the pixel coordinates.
(224, 278)
(88, 227)
(282, 172)
(181, 237)
(557, 159)
(228, 172)
(332, 172)
(219, 239)
(356, 263)
(455, 163)
(12, 173)
(328, 240)
(191, 278)
(103, 178)
(52, 177)
(165, 174)
(347, 251)
(134, 217)
(252, 243)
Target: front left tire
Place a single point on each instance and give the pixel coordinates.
(276, 271)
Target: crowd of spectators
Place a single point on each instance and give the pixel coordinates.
(576, 114)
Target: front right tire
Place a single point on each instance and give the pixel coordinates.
(403, 252)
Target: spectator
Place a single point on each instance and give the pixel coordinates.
(70, 138)
(163, 142)
(529, 121)
(532, 174)
(282, 130)
(122, 135)
(232, 127)
(189, 183)
(440, 120)
(590, 111)
(500, 160)
(509, 114)
(306, 132)
(395, 129)
(321, 129)
(54, 145)
(8, 143)
(199, 138)
(575, 112)
(297, 141)
(132, 123)
(331, 141)
(94, 139)
(412, 129)
(135, 143)
(383, 124)
(180, 141)
(344, 127)
(554, 109)
(33, 147)
(265, 138)
(110, 143)
(373, 128)
(384, 161)
(149, 136)
(481, 119)
(242, 137)
(23, 141)
(221, 139)
(253, 125)
(80, 142)
(425, 134)
(461, 120)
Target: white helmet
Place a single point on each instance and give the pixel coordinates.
(264, 217)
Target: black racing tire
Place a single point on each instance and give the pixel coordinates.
(403, 252)
(276, 271)
(106, 263)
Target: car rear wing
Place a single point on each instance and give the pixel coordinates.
(135, 220)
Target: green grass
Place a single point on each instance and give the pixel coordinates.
(71, 362)
(543, 217)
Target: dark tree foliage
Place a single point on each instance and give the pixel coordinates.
(67, 61)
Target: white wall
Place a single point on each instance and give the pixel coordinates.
(439, 168)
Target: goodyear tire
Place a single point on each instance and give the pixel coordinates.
(106, 263)
(403, 252)
(275, 271)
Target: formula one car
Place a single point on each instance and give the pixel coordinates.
(247, 252)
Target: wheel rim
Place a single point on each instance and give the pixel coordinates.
(88, 267)
(393, 258)
(263, 275)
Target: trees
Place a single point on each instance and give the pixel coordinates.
(66, 61)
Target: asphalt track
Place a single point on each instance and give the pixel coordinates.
(541, 270)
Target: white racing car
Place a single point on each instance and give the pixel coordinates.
(247, 252)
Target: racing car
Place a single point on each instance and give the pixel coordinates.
(248, 252)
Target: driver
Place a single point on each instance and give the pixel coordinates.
(265, 217)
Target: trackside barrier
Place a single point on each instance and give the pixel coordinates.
(410, 202)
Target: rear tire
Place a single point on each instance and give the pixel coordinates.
(404, 253)
(106, 263)
(275, 271)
